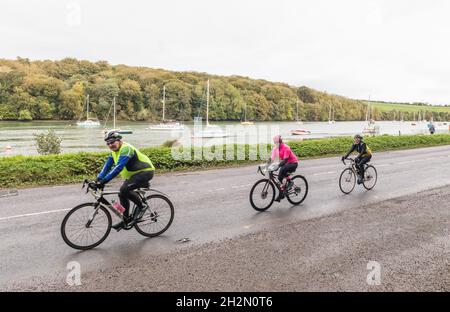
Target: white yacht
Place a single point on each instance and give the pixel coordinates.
(209, 131)
(121, 131)
(171, 125)
(89, 122)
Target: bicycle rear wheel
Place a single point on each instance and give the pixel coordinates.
(297, 193)
(157, 218)
(370, 177)
(347, 181)
(262, 195)
(80, 233)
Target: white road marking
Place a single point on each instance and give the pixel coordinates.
(34, 214)
(324, 173)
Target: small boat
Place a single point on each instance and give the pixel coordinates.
(331, 117)
(89, 122)
(165, 125)
(371, 128)
(300, 132)
(114, 122)
(210, 131)
(246, 122)
(414, 123)
(298, 121)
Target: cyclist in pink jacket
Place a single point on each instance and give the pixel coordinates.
(288, 162)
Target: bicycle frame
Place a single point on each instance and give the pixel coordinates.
(352, 165)
(102, 202)
(273, 177)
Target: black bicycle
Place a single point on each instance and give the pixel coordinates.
(347, 180)
(87, 225)
(262, 194)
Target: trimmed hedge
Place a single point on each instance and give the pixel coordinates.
(21, 171)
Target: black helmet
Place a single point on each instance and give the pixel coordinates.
(358, 136)
(112, 136)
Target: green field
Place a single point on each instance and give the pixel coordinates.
(388, 107)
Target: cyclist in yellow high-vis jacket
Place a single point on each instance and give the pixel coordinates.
(134, 167)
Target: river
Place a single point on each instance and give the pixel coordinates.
(16, 138)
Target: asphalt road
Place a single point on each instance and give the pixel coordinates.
(211, 206)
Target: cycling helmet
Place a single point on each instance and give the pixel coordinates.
(358, 136)
(277, 139)
(112, 136)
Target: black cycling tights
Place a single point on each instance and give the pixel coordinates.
(360, 162)
(127, 190)
(284, 170)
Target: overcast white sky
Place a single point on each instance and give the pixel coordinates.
(390, 50)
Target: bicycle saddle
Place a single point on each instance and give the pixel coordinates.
(145, 187)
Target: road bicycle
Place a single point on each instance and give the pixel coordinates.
(87, 225)
(347, 180)
(262, 194)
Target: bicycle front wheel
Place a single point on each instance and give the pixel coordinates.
(262, 195)
(157, 218)
(347, 181)
(84, 227)
(297, 193)
(370, 177)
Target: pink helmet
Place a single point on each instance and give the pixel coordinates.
(277, 139)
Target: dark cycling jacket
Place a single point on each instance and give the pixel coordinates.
(361, 148)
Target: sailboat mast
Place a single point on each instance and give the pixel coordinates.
(297, 110)
(114, 113)
(207, 103)
(164, 102)
(87, 110)
(245, 112)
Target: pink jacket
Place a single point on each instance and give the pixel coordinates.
(284, 152)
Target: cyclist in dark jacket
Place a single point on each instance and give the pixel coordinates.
(364, 155)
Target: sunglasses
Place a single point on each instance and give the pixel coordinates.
(110, 143)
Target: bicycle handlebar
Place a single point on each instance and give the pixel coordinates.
(266, 168)
(91, 185)
(351, 159)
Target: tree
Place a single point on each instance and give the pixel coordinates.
(178, 96)
(71, 102)
(131, 96)
(25, 115)
(101, 96)
(58, 89)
